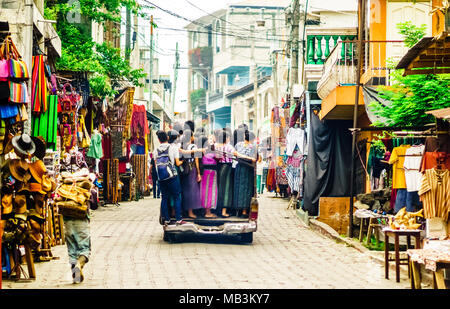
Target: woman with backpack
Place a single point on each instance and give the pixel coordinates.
(190, 175)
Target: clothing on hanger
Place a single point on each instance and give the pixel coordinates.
(295, 137)
(397, 159)
(413, 176)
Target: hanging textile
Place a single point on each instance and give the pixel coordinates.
(95, 148)
(139, 122)
(295, 138)
(328, 172)
(39, 93)
(294, 172)
(46, 124)
(435, 193)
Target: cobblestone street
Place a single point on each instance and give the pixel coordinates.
(128, 252)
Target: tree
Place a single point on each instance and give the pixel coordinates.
(412, 95)
(81, 53)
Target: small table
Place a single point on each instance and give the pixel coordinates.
(396, 234)
(373, 225)
(434, 260)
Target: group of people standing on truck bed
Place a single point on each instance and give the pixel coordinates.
(212, 175)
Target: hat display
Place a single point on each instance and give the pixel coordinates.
(31, 187)
(20, 204)
(19, 169)
(46, 184)
(7, 205)
(37, 170)
(8, 144)
(23, 144)
(41, 147)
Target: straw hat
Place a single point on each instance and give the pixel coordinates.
(19, 169)
(8, 144)
(23, 144)
(20, 204)
(7, 199)
(41, 147)
(31, 187)
(37, 170)
(46, 184)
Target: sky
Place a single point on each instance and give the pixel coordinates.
(166, 39)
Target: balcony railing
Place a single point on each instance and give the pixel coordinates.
(339, 68)
(319, 47)
(379, 58)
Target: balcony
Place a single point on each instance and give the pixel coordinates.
(319, 47)
(339, 68)
(337, 86)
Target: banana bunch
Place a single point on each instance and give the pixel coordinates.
(404, 220)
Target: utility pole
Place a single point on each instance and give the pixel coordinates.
(150, 103)
(28, 55)
(361, 25)
(255, 81)
(175, 77)
(128, 37)
(275, 75)
(294, 47)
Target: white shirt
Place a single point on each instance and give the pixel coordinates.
(413, 176)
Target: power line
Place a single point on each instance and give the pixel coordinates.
(224, 20)
(226, 34)
(197, 23)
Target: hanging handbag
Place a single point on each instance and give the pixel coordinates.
(4, 64)
(73, 97)
(17, 67)
(18, 92)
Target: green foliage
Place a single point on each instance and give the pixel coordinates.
(197, 97)
(412, 95)
(81, 53)
(411, 33)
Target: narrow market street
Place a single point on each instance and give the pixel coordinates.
(128, 252)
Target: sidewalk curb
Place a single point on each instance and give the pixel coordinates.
(326, 230)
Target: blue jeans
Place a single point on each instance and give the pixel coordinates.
(78, 238)
(156, 186)
(410, 200)
(171, 188)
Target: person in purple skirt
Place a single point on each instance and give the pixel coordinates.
(190, 182)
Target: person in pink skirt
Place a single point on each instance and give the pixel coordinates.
(208, 185)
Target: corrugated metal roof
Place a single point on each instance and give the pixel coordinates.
(413, 52)
(443, 113)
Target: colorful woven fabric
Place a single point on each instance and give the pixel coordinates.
(46, 124)
(18, 92)
(18, 69)
(39, 93)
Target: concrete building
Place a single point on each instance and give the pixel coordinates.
(14, 20)
(240, 41)
(201, 46)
